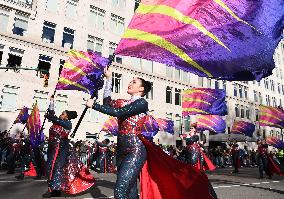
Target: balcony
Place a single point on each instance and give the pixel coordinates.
(21, 3)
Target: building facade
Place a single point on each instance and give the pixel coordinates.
(36, 34)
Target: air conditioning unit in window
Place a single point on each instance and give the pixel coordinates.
(67, 45)
(46, 40)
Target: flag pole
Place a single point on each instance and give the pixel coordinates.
(111, 59)
(11, 127)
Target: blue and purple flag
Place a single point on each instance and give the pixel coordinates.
(23, 116)
(204, 101)
(34, 127)
(82, 71)
(222, 39)
(242, 127)
(275, 142)
(213, 123)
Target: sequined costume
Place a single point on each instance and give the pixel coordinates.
(65, 172)
(262, 160)
(136, 154)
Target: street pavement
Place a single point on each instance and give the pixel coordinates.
(245, 185)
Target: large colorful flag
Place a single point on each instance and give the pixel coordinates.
(271, 116)
(82, 71)
(23, 116)
(165, 125)
(275, 142)
(213, 123)
(150, 128)
(242, 127)
(204, 101)
(225, 39)
(111, 126)
(34, 127)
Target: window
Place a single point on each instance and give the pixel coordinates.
(246, 92)
(256, 115)
(1, 53)
(9, 98)
(177, 74)
(149, 95)
(169, 116)
(186, 123)
(169, 95)
(61, 103)
(235, 90)
(177, 97)
(112, 47)
(274, 102)
(169, 72)
(185, 76)
(95, 44)
(137, 2)
(209, 83)
(282, 89)
(117, 24)
(62, 62)
(44, 64)
(120, 3)
(20, 26)
(15, 57)
(237, 111)
(4, 18)
(52, 5)
(272, 85)
(147, 65)
(136, 63)
(266, 84)
(71, 8)
(48, 32)
(260, 97)
(96, 17)
(177, 123)
(267, 98)
(242, 112)
(247, 113)
(241, 91)
(200, 81)
(280, 102)
(116, 82)
(255, 96)
(224, 85)
(216, 84)
(68, 38)
(41, 98)
(279, 88)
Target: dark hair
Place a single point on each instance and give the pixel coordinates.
(71, 114)
(147, 86)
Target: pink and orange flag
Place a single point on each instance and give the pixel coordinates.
(271, 116)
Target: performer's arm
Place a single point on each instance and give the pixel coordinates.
(136, 107)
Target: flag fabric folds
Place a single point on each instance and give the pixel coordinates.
(34, 127)
(204, 101)
(242, 127)
(165, 125)
(82, 71)
(213, 123)
(275, 142)
(271, 116)
(23, 116)
(225, 39)
(111, 126)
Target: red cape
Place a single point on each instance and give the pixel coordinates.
(208, 163)
(273, 167)
(164, 177)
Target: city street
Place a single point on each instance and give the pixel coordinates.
(228, 186)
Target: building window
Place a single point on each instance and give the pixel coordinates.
(185, 76)
(9, 98)
(116, 82)
(44, 63)
(242, 112)
(136, 63)
(224, 85)
(68, 38)
(280, 103)
(177, 74)
(169, 95)
(267, 98)
(266, 84)
(71, 8)
(137, 2)
(112, 47)
(241, 91)
(15, 57)
(260, 97)
(52, 5)
(61, 65)
(209, 83)
(147, 65)
(235, 90)
(282, 89)
(246, 92)
(274, 102)
(48, 32)
(61, 104)
(169, 72)
(216, 84)
(120, 3)
(96, 17)
(149, 95)
(200, 81)
(95, 44)
(279, 88)
(256, 115)
(117, 24)
(177, 97)
(237, 111)
(41, 98)
(4, 18)
(255, 96)
(20, 26)
(1, 53)
(272, 85)
(177, 123)
(247, 113)
(186, 123)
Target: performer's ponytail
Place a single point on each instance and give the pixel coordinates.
(147, 86)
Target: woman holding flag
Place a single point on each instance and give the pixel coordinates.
(65, 172)
(136, 154)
